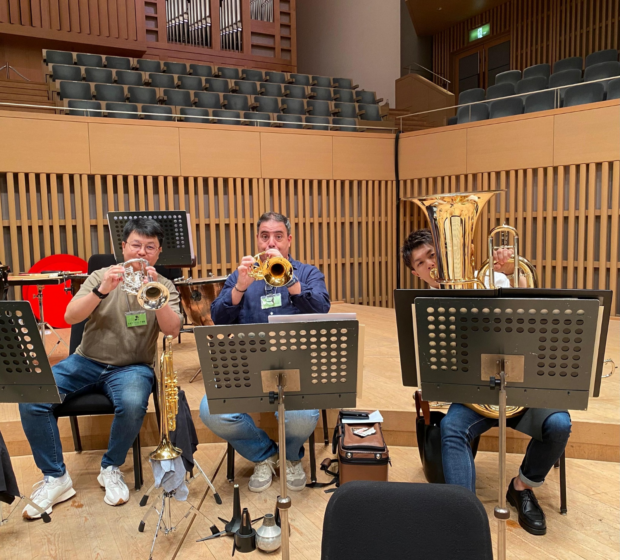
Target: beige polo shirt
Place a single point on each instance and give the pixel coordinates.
(107, 338)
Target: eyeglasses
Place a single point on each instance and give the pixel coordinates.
(147, 248)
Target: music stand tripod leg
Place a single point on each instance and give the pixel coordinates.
(284, 502)
(502, 514)
(196, 375)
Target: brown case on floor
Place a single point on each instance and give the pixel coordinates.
(360, 458)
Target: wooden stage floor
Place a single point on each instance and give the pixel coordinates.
(595, 435)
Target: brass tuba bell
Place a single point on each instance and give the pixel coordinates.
(453, 218)
(276, 271)
(151, 295)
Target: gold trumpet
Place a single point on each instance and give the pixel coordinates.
(453, 218)
(151, 295)
(276, 271)
(169, 405)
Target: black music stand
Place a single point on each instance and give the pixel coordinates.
(178, 247)
(248, 368)
(25, 372)
(538, 352)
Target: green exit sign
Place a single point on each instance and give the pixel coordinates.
(479, 32)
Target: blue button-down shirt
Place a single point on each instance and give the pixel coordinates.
(313, 298)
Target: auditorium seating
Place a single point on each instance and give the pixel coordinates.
(203, 93)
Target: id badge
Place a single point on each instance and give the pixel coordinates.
(135, 318)
(271, 300)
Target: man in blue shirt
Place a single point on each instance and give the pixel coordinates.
(244, 300)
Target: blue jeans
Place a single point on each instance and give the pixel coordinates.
(128, 387)
(462, 425)
(253, 443)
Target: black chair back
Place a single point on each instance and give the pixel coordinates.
(370, 520)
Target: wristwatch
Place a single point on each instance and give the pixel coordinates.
(291, 282)
(98, 293)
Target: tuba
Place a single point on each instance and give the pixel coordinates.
(453, 218)
(168, 404)
(276, 271)
(152, 295)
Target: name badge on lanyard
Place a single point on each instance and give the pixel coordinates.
(271, 300)
(135, 318)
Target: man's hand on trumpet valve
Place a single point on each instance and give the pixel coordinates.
(151, 275)
(111, 279)
(244, 280)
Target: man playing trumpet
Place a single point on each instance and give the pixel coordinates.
(244, 300)
(115, 358)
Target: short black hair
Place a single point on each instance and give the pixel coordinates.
(145, 227)
(274, 217)
(416, 239)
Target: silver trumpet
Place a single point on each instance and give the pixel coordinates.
(151, 295)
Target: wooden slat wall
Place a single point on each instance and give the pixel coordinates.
(540, 31)
(345, 228)
(567, 217)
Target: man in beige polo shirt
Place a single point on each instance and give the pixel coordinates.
(116, 357)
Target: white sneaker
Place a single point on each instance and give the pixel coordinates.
(263, 474)
(49, 492)
(295, 476)
(116, 491)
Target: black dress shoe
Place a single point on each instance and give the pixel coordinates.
(531, 515)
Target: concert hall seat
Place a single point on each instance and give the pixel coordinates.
(571, 63)
(541, 101)
(500, 90)
(324, 94)
(130, 110)
(297, 92)
(609, 55)
(346, 110)
(584, 93)
(601, 71)
(565, 78)
(178, 68)
(290, 121)
(369, 520)
(202, 70)
(162, 112)
(109, 92)
(277, 77)
(146, 65)
(317, 123)
(252, 75)
(366, 97)
(270, 90)
(347, 125)
(208, 100)
(148, 95)
(471, 96)
(528, 85)
(226, 117)
(99, 75)
(302, 79)
(75, 90)
(159, 80)
(258, 119)
(320, 108)
(452, 121)
(194, 83)
(178, 97)
(229, 73)
(369, 112)
(75, 104)
(508, 77)
(93, 60)
(219, 85)
(118, 62)
(345, 95)
(266, 104)
(131, 78)
(472, 113)
(58, 57)
(296, 106)
(505, 107)
(323, 81)
(236, 102)
(248, 88)
(537, 70)
(194, 115)
(613, 89)
(344, 83)
(66, 72)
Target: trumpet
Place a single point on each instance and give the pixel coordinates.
(276, 271)
(152, 295)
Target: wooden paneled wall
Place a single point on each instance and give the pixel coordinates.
(540, 31)
(345, 228)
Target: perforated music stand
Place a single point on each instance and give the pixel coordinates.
(532, 351)
(248, 368)
(25, 372)
(178, 247)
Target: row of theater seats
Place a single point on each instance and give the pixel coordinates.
(202, 70)
(201, 115)
(58, 72)
(215, 100)
(539, 90)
